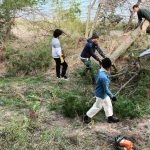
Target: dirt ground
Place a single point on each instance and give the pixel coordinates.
(137, 130)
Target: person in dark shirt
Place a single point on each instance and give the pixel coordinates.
(88, 51)
(142, 13)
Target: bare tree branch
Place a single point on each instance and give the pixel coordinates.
(96, 17)
(125, 84)
(88, 18)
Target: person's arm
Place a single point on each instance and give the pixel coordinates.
(139, 19)
(100, 52)
(105, 87)
(93, 54)
(58, 49)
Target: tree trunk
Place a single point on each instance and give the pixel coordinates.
(131, 17)
(96, 18)
(130, 39)
(9, 20)
(88, 18)
(8, 29)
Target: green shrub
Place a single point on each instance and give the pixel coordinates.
(73, 106)
(126, 107)
(39, 59)
(53, 106)
(136, 104)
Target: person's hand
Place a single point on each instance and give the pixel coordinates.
(99, 61)
(63, 56)
(114, 98)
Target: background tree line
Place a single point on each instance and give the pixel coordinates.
(101, 15)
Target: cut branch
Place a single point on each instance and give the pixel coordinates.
(126, 84)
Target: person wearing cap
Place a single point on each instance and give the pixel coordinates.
(141, 13)
(58, 56)
(103, 95)
(88, 51)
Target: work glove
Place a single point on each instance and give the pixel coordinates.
(61, 60)
(114, 98)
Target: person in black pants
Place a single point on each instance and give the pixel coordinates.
(58, 56)
(64, 68)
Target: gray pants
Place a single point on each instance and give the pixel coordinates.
(89, 67)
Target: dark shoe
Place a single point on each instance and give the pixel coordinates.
(58, 77)
(112, 119)
(64, 77)
(86, 119)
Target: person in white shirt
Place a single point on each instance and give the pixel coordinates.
(58, 56)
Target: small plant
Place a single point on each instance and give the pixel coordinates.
(73, 106)
(33, 108)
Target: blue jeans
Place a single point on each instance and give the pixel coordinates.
(89, 67)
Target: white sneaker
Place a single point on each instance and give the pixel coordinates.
(58, 77)
(64, 77)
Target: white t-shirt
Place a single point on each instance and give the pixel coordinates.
(56, 49)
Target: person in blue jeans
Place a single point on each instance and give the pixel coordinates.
(87, 52)
(103, 95)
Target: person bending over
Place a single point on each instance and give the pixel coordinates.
(87, 52)
(141, 13)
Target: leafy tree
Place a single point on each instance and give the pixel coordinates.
(8, 10)
(65, 14)
(73, 12)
